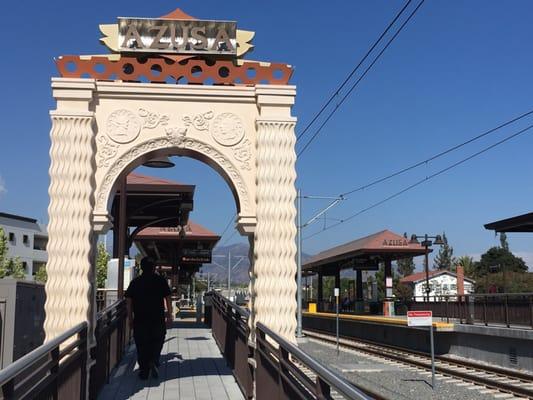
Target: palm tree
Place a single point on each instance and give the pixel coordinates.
(467, 263)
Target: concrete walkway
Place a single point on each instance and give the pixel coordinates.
(192, 368)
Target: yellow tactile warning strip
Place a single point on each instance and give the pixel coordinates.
(399, 320)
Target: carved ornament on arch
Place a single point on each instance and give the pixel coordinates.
(174, 137)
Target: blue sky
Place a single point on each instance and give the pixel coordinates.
(458, 68)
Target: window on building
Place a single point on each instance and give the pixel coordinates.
(25, 239)
(11, 237)
(453, 287)
(25, 266)
(445, 286)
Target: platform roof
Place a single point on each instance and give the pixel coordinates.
(155, 201)
(364, 253)
(170, 246)
(520, 223)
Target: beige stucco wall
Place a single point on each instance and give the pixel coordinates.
(104, 129)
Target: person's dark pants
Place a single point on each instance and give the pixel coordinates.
(149, 338)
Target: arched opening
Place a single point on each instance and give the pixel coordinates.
(222, 265)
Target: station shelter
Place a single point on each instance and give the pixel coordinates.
(179, 252)
(519, 223)
(149, 202)
(364, 254)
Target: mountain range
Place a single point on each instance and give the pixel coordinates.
(218, 268)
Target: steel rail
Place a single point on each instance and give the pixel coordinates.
(404, 356)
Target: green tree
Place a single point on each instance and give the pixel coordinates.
(498, 259)
(403, 292)
(380, 282)
(13, 269)
(3, 248)
(468, 264)
(41, 275)
(102, 258)
(406, 266)
(445, 259)
(9, 267)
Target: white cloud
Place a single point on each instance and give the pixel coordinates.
(2, 186)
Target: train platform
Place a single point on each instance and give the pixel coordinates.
(192, 368)
(397, 320)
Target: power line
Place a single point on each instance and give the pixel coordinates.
(360, 79)
(228, 239)
(434, 157)
(228, 225)
(427, 178)
(353, 71)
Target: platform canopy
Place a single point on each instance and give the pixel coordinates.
(184, 249)
(153, 201)
(520, 223)
(364, 253)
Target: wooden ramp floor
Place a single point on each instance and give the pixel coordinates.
(192, 368)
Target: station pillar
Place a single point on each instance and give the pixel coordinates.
(388, 303)
(338, 280)
(320, 292)
(359, 285)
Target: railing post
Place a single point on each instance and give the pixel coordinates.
(54, 371)
(507, 311)
(82, 336)
(485, 310)
(8, 390)
(323, 391)
(446, 307)
(530, 311)
(469, 319)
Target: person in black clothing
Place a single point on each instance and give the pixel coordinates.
(145, 297)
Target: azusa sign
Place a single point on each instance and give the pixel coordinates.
(177, 36)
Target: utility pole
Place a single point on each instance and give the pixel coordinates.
(299, 227)
(230, 267)
(229, 274)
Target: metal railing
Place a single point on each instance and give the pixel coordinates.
(279, 373)
(229, 323)
(112, 336)
(105, 298)
(281, 369)
(501, 309)
(54, 370)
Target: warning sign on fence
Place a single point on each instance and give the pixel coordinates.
(419, 318)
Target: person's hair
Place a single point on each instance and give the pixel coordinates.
(147, 265)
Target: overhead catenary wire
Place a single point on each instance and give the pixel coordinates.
(228, 225)
(435, 156)
(347, 79)
(427, 178)
(339, 103)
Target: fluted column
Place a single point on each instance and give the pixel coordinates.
(275, 247)
(71, 239)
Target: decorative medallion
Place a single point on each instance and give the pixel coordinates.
(199, 121)
(227, 129)
(123, 126)
(151, 119)
(243, 154)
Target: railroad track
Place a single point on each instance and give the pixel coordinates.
(517, 383)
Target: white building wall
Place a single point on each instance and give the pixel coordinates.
(441, 285)
(18, 247)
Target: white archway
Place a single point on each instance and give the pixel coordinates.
(101, 129)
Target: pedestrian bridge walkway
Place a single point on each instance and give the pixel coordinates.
(192, 368)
